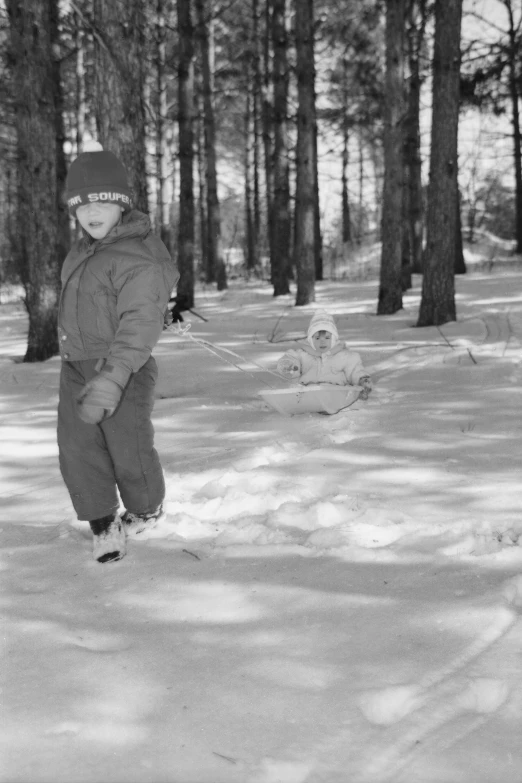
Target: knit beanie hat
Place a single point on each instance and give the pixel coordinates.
(322, 320)
(97, 176)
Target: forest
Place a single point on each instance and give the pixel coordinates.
(274, 139)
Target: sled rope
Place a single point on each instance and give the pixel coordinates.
(184, 331)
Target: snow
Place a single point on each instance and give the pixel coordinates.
(331, 598)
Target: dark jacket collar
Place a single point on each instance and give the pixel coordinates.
(134, 225)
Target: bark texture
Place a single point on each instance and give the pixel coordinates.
(515, 60)
(119, 45)
(438, 288)
(185, 295)
(305, 155)
(41, 222)
(267, 126)
(281, 203)
(390, 287)
(215, 251)
(416, 17)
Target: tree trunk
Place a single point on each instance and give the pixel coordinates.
(415, 33)
(62, 213)
(42, 222)
(460, 264)
(8, 266)
(413, 184)
(119, 38)
(216, 261)
(406, 249)
(438, 288)
(345, 201)
(185, 294)
(360, 221)
(256, 118)
(202, 196)
(304, 251)
(172, 206)
(281, 203)
(390, 288)
(515, 60)
(161, 114)
(267, 131)
(80, 85)
(318, 240)
(249, 224)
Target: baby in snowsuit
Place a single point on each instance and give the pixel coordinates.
(325, 359)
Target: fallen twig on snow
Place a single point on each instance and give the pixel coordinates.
(271, 336)
(192, 554)
(453, 347)
(226, 758)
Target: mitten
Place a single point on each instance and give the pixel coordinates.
(98, 399)
(167, 318)
(366, 384)
(288, 367)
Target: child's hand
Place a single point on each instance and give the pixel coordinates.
(288, 367)
(366, 384)
(98, 399)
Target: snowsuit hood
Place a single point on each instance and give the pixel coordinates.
(322, 321)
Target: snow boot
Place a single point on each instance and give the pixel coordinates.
(138, 524)
(108, 538)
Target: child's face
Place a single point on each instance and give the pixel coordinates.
(99, 218)
(322, 341)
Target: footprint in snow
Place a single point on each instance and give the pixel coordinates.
(484, 695)
(96, 642)
(512, 591)
(389, 705)
(67, 728)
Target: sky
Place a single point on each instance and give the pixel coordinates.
(331, 598)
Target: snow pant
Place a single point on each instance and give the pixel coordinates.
(99, 460)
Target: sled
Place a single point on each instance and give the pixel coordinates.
(315, 398)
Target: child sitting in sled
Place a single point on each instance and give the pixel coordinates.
(325, 359)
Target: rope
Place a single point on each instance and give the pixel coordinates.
(182, 330)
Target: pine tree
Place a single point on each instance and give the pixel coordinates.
(185, 291)
(390, 287)
(41, 222)
(438, 287)
(119, 42)
(216, 264)
(305, 218)
(281, 199)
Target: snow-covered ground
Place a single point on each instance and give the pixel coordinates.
(333, 599)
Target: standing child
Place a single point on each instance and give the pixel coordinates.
(324, 359)
(116, 283)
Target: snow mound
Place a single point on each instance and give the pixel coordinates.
(389, 705)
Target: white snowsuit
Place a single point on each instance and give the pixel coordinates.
(339, 365)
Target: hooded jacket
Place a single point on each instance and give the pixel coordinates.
(339, 365)
(114, 294)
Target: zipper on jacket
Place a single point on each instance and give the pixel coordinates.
(87, 254)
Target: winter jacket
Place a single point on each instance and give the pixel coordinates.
(114, 294)
(338, 365)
